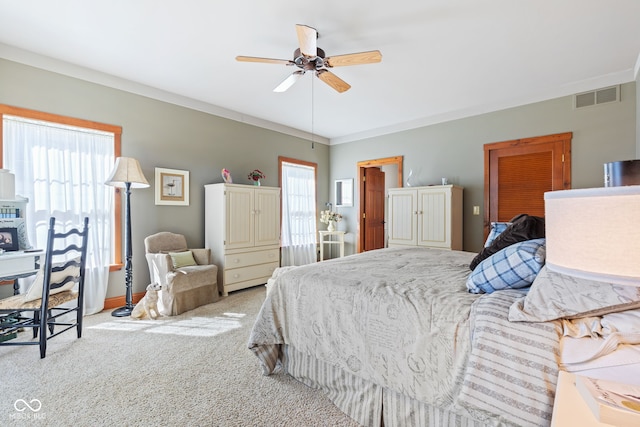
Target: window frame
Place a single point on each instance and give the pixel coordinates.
(71, 121)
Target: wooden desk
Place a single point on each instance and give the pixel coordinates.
(339, 241)
(14, 265)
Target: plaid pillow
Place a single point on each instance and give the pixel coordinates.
(496, 229)
(515, 266)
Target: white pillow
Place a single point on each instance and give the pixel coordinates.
(555, 295)
(35, 290)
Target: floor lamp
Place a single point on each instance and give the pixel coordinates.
(127, 174)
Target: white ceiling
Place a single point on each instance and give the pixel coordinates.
(442, 59)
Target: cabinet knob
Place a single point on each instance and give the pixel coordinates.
(236, 260)
(235, 276)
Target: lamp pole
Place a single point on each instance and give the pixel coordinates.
(128, 308)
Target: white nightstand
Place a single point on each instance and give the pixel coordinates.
(326, 238)
(569, 409)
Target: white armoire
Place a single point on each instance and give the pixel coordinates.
(242, 229)
(426, 216)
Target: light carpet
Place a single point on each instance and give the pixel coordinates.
(189, 370)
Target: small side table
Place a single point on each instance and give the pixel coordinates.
(326, 238)
(569, 408)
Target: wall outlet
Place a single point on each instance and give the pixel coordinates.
(476, 210)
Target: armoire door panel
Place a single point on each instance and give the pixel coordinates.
(240, 218)
(435, 224)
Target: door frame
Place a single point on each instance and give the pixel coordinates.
(396, 160)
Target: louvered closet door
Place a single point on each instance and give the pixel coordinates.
(519, 172)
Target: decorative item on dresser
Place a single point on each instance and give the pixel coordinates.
(226, 176)
(256, 176)
(242, 229)
(426, 216)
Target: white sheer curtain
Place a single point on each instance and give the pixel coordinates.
(298, 214)
(62, 170)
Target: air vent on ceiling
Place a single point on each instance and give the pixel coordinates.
(597, 97)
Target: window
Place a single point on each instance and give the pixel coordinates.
(298, 186)
(60, 165)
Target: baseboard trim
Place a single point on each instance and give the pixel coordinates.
(120, 301)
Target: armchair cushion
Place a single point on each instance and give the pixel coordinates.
(191, 277)
(182, 259)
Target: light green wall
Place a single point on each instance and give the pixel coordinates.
(454, 149)
(163, 135)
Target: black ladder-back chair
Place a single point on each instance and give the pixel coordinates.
(43, 315)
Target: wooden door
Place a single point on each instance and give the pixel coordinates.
(362, 168)
(517, 173)
(374, 209)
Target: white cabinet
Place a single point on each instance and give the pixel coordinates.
(426, 216)
(242, 229)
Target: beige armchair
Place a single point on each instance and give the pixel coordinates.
(187, 276)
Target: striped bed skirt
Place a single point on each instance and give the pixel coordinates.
(367, 403)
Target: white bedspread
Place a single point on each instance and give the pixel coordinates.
(384, 320)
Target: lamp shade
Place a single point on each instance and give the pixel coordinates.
(127, 169)
(595, 233)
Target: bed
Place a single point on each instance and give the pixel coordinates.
(402, 337)
(392, 340)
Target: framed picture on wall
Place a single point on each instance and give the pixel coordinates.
(9, 239)
(172, 187)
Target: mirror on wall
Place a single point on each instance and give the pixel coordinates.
(344, 192)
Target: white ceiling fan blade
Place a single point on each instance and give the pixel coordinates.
(289, 81)
(307, 38)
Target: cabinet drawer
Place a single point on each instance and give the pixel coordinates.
(235, 275)
(251, 258)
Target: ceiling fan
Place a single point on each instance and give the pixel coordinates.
(309, 57)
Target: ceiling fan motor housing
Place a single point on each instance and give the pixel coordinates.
(309, 63)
